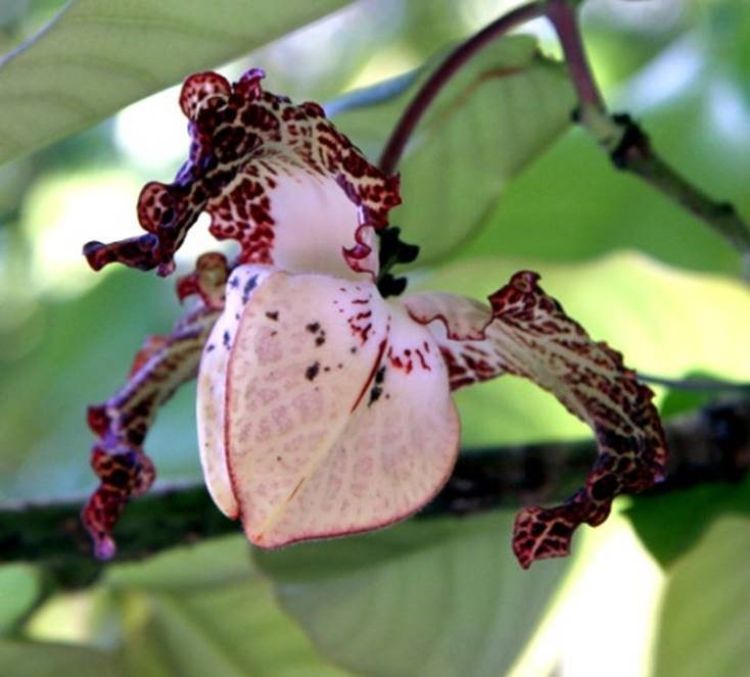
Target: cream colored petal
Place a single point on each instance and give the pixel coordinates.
(339, 412)
(211, 390)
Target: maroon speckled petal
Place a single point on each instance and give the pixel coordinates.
(208, 281)
(246, 143)
(527, 333)
(121, 423)
(200, 87)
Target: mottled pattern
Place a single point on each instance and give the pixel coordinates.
(527, 333)
(334, 424)
(460, 326)
(122, 422)
(246, 143)
(208, 281)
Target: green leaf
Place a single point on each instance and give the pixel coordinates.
(217, 562)
(664, 321)
(500, 111)
(204, 611)
(706, 608)
(452, 602)
(197, 610)
(98, 56)
(38, 659)
(678, 401)
(727, 25)
(573, 205)
(228, 630)
(671, 525)
(19, 589)
(71, 357)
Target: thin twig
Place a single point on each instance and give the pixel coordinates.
(628, 145)
(563, 17)
(705, 385)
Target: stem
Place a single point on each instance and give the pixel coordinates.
(565, 21)
(708, 445)
(695, 384)
(628, 145)
(413, 113)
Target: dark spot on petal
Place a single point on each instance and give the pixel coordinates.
(604, 488)
(227, 340)
(312, 371)
(313, 327)
(273, 315)
(380, 375)
(320, 340)
(375, 394)
(167, 216)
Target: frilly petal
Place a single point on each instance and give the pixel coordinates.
(276, 177)
(122, 422)
(526, 332)
(199, 88)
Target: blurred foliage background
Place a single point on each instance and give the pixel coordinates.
(501, 183)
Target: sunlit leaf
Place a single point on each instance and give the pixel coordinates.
(98, 56)
(499, 112)
(221, 561)
(19, 589)
(706, 609)
(229, 630)
(205, 611)
(435, 597)
(728, 32)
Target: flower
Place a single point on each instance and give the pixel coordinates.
(323, 408)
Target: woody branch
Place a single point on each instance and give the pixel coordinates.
(709, 445)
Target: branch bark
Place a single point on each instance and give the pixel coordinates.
(709, 445)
